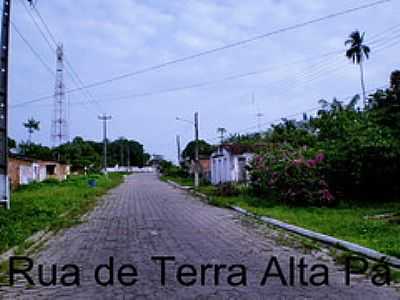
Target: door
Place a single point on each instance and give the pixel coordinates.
(242, 169)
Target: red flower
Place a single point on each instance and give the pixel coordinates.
(327, 196)
(320, 157)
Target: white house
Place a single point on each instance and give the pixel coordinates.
(228, 163)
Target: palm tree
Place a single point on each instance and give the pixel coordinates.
(32, 125)
(395, 81)
(356, 53)
(32, 2)
(221, 132)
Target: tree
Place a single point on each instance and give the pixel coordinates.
(395, 82)
(32, 125)
(12, 144)
(80, 154)
(37, 151)
(221, 131)
(356, 53)
(204, 149)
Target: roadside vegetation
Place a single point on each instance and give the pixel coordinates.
(336, 172)
(50, 205)
(82, 155)
(372, 225)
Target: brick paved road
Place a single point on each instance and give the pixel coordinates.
(146, 217)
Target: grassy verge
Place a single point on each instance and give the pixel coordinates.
(179, 180)
(347, 222)
(52, 205)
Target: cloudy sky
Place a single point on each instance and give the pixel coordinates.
(105, 39)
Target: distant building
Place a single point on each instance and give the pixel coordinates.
(228, 163)
(155, 161)
(122, 169)
(24, 170)
(204, 167)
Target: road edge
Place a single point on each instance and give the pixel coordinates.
(320, 237)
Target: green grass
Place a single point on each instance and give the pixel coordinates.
(346, 222)
(49, 205)
(179, 180)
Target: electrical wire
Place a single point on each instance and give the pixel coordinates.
(53, 44)
(309, 110)
(218, 49)
(32, 49)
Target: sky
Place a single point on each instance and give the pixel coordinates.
(291, 71)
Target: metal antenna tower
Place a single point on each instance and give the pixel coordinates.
(59, 125)
(259, 114)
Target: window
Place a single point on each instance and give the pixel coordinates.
(51, 169)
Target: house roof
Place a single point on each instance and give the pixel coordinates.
(31, 160)
(238, 149)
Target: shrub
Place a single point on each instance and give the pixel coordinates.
(51, 181)
(169, 169)
(227, 189)
(293, 175)
(364, 164)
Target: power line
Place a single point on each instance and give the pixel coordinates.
(201, 84)
(377, 37)
(53, 45)
(309, 110)
(45, 24)
(218, 49)
(322, 69)
(28, 10)
(37, 55)
(304, 78)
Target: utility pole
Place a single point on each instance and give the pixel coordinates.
(196, 151)
(104, 118)
(196, 146)
(129, 158)
(178, 145)
(122, 153)
(4, 56)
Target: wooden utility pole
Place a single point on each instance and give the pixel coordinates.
(4, 56)
(129, 158)
(105, 118)
(196, 151)
(178, 145)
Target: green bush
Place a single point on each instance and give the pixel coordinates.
(362, 157)
(292, 175)
(51, 181)
(227, 190)
(167, 168)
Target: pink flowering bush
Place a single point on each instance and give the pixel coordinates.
(293, 176)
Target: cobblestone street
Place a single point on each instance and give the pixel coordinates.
(145, 217)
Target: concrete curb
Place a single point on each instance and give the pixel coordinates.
(323, 238)
(174, 184)
(326, 239)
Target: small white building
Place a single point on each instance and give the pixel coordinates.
(118, 169)
(228, 163)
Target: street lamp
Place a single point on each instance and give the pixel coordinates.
(184, 120)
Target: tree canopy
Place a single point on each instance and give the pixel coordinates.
(205, 149)
(82, 153)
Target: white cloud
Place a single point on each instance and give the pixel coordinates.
(107, 38)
